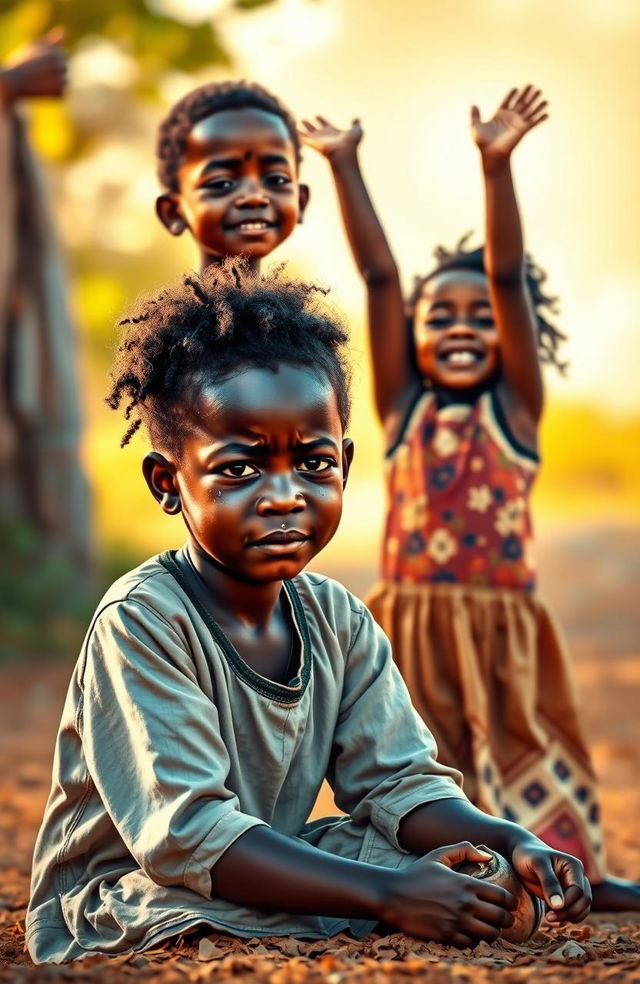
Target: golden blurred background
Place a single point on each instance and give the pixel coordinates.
(410, 70)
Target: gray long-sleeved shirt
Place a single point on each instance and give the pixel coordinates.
(171, 747)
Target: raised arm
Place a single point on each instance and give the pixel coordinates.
(504, 254)
(395, 378)
(38, 70)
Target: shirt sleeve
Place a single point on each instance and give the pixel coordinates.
(384, 757)
(153, 747)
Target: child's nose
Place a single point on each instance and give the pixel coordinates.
(283, 495)
(461, 328)
(251, 194)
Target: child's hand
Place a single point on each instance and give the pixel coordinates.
(38, 70)
(432, 901)
(327, 139)
(556, 877)
(518, 114)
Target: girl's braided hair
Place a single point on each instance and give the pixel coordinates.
(207, 328)
(544, 305)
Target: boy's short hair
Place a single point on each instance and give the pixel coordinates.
(200, 103)
(211, 326)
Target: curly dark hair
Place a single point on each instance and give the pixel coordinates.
(544, 305)
(208, 327)
(203, 102)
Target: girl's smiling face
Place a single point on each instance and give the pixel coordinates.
(260, 476)
(455, 337)
(239, 190)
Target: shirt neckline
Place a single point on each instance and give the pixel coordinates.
(280, 692)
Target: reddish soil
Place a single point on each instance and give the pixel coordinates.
(592, 577)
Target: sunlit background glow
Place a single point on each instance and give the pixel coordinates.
(410, 70)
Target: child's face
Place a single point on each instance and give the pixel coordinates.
(261, 475)
(456, 340)
(238, 185)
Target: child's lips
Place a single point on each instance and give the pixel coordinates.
(281, 541)
(461, 358)
(252, 227)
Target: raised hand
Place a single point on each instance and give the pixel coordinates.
(327, 139)
(37, 70)
(519, 112)
(556, 877)
(429, 900)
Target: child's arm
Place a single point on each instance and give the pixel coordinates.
(269, 871)
(39, 70)
(396, 381)
(504, 253)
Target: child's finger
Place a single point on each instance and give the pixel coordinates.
(538, 119)
(530, 99)
(506, 102)
(323, 120)
(475, 115)
(536, 110)
(310, 127)
(524, 96)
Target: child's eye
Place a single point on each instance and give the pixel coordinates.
(317, 464)
(237, 469)
(277, 180)
(439, 323)
(484, 322)
(218, 184)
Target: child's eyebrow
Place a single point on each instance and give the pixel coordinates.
(441, 304)
(231, 163)
(221, 162)
(261, 449)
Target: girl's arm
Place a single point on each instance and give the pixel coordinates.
(504, 255)
(396, 381)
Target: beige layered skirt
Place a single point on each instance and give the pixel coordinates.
(488, 671)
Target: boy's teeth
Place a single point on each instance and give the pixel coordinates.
(253, 225)
(461, 358)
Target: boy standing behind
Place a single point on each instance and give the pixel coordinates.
(228, 159)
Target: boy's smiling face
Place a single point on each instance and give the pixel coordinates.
(238, 185)
(259, 478)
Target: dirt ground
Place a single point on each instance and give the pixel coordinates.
(592, 577)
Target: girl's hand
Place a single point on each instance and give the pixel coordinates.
(557, 878)
(431, 901)
(38, 70)
(518, 114)
(327, 139)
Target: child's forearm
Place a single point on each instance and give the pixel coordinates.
(443, 821)
(504, 249)
(366, 236)
(266, 870)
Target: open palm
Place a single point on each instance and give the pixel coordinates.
(326, 138)
(519, 112)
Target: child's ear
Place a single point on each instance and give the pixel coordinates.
(348, 448)
(159, 474)
(168, 211)
(303, 200)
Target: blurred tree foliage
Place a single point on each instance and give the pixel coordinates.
(156, 42)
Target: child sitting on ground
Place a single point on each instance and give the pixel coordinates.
(228, 158)
(219, 685)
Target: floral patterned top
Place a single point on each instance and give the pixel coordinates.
(458, 492)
